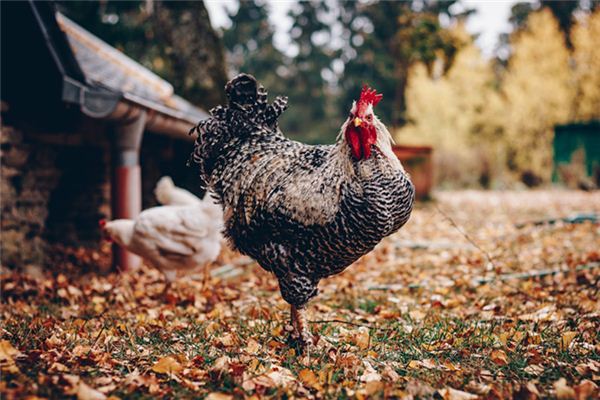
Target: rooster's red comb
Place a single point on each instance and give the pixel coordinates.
(369, 96)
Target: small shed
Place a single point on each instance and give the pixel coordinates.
(77, 118)
(577, 153)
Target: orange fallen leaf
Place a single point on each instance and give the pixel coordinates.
(585, 389)
(454, 394)
(167, 365)
(86, 392)
(252, 347)
(219, 396)
(7, 355)
(308, 378)
(566, 339)
(499, 357)
(563, 391)
(362, 338)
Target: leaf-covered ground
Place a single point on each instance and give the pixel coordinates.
(464, 302)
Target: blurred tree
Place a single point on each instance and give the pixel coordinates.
(250, 48)
(457, 113)
(586, 57)
(538, 93)
(174, 39)
(309, 71)
(563, 11)
(383, 40)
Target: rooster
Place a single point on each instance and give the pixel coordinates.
(184, 235)
(303, 212)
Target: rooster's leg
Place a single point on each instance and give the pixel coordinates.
(166, 289)
(300, 333)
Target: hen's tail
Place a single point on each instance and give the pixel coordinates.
(247, 112)
(170, 195)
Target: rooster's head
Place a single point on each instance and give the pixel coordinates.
(361, 126)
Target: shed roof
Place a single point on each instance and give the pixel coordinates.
(104, 65)
(92, 74)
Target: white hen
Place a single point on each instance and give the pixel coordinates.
(172, 238)
(170, 195)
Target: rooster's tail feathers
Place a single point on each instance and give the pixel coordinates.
(242, 92)
(247, 112)
(246, 94)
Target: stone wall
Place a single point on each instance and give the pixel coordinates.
(54, 188)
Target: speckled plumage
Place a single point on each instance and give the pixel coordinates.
(303, 212)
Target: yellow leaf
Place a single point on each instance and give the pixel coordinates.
(414, 364)
(219, 396)
(167, 365)
(7, 355)
(227, 340)
(499, 357)
(417, 315)
(585, 389)
(453, 394)
(86, 392)
(566, 339)
(563, 391)
(252, 347)
(374, 387)
(362, 338)
(309, 378)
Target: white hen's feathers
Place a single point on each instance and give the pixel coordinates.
(181, 236)
(168, 194)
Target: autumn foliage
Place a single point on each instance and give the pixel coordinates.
(478, 297)
(491, 124)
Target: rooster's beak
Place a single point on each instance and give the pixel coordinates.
(357, 121)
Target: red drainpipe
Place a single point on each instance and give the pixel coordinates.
(126, 186)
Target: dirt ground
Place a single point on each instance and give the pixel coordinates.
(481, 295)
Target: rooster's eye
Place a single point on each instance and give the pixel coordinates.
(369, 117)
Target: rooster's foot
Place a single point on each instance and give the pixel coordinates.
(300, 336)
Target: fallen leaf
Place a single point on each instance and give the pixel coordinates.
(566, 339)
(563, 391)
(370, 374)
(373, 387)
(7, 357)
(308, 378)
(219, 396)
(252, 347)
(585, 390)
(417, 315)
(167, 365)
(454, 394)
(362, 338)
(86, 392)
(499, 357)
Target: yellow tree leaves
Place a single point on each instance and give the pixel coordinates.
(453, 111)
(586, 57)
(486, 123)
(538, 92)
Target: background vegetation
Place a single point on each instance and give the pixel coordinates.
(491, 120)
